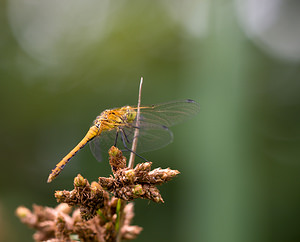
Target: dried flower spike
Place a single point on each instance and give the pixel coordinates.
(139, 182)
(88, 197)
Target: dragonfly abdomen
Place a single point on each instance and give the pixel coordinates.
(92, 133)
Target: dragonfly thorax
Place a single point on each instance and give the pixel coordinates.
(114, 118)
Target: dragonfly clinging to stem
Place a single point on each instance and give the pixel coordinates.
(116, 123)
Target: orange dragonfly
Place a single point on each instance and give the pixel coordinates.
(120, 123)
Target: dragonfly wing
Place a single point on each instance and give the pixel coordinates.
(168, 114)
(153, 128)
(101, 144)
(149, 138)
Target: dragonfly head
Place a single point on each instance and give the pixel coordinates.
(130, 114)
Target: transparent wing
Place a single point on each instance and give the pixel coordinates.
(101, 144)
(168, 114)
(150, 138)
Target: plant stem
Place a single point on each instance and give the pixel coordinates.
(131, 161)
(136, 131)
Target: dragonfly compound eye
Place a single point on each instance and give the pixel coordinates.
(131, 114)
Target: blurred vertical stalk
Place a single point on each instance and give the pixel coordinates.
(225, 207)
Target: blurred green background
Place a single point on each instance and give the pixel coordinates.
(63, 62)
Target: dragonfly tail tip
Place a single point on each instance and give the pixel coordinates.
(50, 179)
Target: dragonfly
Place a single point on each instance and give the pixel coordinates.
(116, 124)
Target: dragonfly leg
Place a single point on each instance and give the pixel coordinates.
(124, 139)
(136, 127)
(123, 133)
(116, 139)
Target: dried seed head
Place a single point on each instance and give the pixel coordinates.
(129, 175)
(59, 195)
(64, 208)
(114, 152)
(96, 185)
(106, 183)
(79, 181)
(95, 188)
(146, 166)
(23, 212)
(88, 197)
(76, 216)
(139, 182)
(138, 190)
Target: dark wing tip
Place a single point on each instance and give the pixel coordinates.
(195, 104)
(190, 101)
